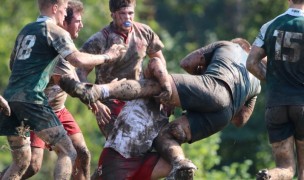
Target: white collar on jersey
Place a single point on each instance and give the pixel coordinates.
(295, 12)
(43, 18)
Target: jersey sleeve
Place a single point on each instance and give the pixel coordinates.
(208, 51)
(60, 40)
(155, 43)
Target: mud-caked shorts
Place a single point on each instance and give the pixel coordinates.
(68, 122)
(207, 102)
(27, 116)
(285, 121)
(112, 165)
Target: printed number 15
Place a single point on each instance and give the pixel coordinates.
(287, 40)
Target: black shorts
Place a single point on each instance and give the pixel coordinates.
(285, 121)
(201, 93)
(203, 125)
(207, 103)
(36, 117)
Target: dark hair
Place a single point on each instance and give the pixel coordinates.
(117, 4)
(73, 6)
(298, 1)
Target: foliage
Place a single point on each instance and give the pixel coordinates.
(183, 26)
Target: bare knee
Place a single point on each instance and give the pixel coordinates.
(21, 154)
(21, 151)
(59, 141)
(64, 147)
(175, 132)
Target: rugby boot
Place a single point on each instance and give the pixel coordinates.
(263, 175)
(182, 170)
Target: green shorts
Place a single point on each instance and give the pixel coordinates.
(34, 116)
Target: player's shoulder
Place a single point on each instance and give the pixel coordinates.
(54, 29)
(142, 26)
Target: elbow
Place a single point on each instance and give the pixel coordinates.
(183, 65)
(186, 67)
(238, 123)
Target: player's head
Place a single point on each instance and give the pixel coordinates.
(122, 13)
(73, 21)
(243, 43)
(74, 6)
(55, 9)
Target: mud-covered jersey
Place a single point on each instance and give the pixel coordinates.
(36, 51)
(141, 41)
(55, 95)
(140, 120)
(283, 41)
(136, 126)
(226, 61)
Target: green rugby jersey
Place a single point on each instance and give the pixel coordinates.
(36, 51)
(283, 41)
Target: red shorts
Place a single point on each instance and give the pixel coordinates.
(112, 165)
(68, 123)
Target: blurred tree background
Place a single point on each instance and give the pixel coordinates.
(183, 26)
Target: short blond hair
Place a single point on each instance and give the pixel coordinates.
(44, 4)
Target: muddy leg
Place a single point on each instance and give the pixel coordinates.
(21, 153)
(36, 162)
(62, 145)
(300, 158)
(81, 169)
(168, 144)
(285, 161)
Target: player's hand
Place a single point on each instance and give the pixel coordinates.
(103, 116)
(93, 107)
(116, 52)
(118, 81)
(165, 96)
(56, 78)
(169, 110)
(4, 107)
